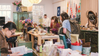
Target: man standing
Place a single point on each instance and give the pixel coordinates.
(46, 22)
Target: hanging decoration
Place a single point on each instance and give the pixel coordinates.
(73, 8)
(76, 11)
(35, 1)
(67, 6)
(26, 3)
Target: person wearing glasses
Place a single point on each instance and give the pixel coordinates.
(8, 30)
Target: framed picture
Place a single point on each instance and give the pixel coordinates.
(58, 11)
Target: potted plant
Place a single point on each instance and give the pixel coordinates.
(18, 4)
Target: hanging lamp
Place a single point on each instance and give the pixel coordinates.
(35, 1)
(26, 3)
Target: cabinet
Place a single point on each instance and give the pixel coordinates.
(90, 36)
(17, 16)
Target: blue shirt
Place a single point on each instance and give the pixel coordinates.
(66, 24)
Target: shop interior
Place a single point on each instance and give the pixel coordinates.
(49, 27)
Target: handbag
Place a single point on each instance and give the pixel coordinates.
(60, 31)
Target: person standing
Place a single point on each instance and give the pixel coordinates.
(46, 22)
(66, 27)
(65, 23)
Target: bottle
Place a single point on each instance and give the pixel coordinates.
(39, 48)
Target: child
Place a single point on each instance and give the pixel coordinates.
(29, 27)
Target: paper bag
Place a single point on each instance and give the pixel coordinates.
(75, 39)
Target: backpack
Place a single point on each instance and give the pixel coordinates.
(75, 28)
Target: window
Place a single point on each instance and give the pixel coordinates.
(38, 11)
(5, 10)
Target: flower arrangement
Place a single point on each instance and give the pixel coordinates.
(25, 22)
(17, 3)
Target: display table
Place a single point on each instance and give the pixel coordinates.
(35, 53)
(90, 36)
(42, 37)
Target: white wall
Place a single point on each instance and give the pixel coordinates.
(62, 4)
(48, 7)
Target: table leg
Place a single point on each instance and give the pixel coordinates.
(39, 40)
(32, 40)
(51, 39)
(28, 36)
(58, 40)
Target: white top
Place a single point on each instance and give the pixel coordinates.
(46, 22)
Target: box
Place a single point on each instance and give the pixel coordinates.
(24, 9)
(76, 47)
(27, 9)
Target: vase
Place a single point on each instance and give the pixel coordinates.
(18, 9)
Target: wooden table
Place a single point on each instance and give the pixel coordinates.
(42, 37)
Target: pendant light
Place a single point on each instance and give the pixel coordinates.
(26, 3)
(35, 1)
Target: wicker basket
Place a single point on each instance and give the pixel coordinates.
(24, 9)
(27, 9)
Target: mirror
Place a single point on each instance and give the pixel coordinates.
(92, 17)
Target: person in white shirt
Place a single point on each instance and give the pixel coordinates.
(46, 22)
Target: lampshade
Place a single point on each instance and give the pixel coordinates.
(26, 3)
(35, 1)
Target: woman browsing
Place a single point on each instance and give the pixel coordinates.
(54, 25)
